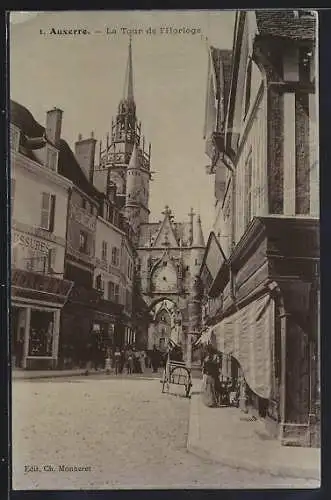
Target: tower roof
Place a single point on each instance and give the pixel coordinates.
(134, 162)
(128, 82)
(198, 239)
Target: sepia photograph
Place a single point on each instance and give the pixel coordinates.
(165, 279)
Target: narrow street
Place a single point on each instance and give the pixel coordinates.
(124, 432)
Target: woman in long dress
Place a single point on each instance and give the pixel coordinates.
(209, 370)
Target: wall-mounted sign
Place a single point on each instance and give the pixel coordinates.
(26, 240)
(213, 260)
(29, 280)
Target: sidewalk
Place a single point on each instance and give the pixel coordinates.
(227, 435)
(77, 372)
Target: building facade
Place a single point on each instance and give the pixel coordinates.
(114, 265)
(262, 295)
(170, 255)
(39, 202)
(114, 275)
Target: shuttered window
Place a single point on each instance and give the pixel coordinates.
(111, 290)
(115, 256)
(117, 294)
(83, 242)
(104, 251)
(47, 211)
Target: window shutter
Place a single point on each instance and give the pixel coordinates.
(45, 210)
(51, 259)
(52, 214)
(116, 293)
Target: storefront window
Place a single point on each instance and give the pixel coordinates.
(41, 333)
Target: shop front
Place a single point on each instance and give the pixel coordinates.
(37, 300)
(266, 329)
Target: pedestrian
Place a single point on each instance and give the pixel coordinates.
(130, 362)
(108, 362)
(155, 359)
(117, 360)
(208, 390)
(142, 356)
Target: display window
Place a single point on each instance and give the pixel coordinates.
(41, 333)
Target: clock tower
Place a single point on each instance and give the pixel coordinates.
(127, 144)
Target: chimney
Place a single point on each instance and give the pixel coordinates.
(54, 125)
(85, 153)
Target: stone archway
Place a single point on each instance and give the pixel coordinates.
(166, 323)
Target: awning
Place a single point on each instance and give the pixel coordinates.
(247, 336)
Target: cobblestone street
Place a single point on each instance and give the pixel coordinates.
(127, 432)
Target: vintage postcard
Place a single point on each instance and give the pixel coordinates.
(165, 285)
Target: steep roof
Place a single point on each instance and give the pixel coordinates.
(284, 24)
(68, 165)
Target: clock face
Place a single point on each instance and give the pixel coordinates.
(165, 278)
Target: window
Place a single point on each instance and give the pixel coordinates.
(83, 242)
(41, 333)
(117, 294)
(83, 203)
(248, 190)
(47, 211)
(104, 251)
(51, 159)
(98, 282)
(111, 290)
(115, 256)
(12, 195)
(51, 260)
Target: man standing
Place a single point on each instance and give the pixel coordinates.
(117, 360)
(155, 359)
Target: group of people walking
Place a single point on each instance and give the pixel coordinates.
(127, 360)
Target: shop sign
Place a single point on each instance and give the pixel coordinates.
(26, 240)
(213, 260)
(40, 283)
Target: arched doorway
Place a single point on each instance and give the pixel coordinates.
(165, 325)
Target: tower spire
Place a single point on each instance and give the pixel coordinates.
(198, 239)
(128, 82)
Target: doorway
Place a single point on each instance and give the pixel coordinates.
(17, 336)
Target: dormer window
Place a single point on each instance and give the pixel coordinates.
(51, 158)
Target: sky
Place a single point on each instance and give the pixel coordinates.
(84, 76)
